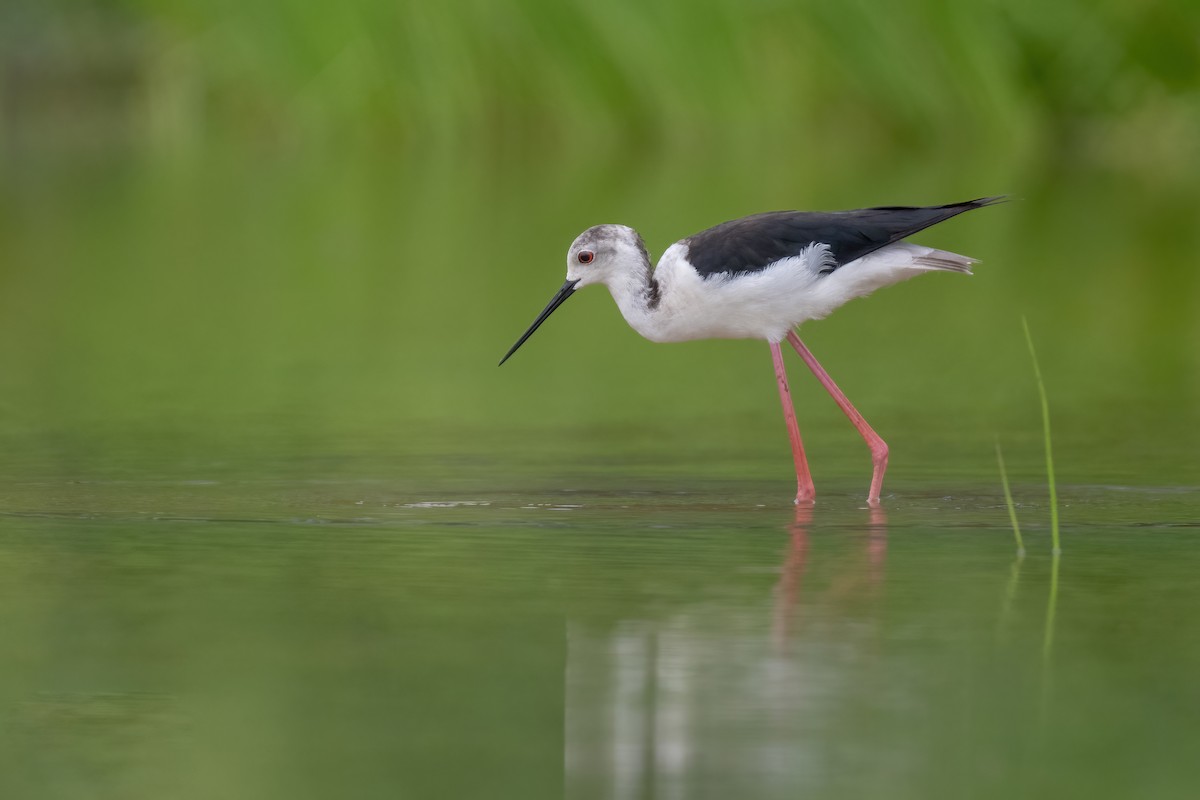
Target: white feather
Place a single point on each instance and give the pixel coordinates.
(768, 303)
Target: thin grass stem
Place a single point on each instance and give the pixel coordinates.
(1046, 433)
(1008, 499)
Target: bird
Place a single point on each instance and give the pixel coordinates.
(761, 277)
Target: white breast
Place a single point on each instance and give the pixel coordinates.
(758, 305)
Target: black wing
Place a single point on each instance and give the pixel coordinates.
(752, 243)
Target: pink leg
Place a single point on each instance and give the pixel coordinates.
(879, 448)
(805, 493)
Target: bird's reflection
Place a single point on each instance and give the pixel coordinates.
(858, 583)
(649, 694)
(792, 575)
(877, 544)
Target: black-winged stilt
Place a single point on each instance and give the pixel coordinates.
(759, 277)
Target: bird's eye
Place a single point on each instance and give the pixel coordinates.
(586, 256)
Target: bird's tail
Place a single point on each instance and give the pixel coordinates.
(942, 260)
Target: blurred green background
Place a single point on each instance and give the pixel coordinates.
(273, 524)
(224, 220)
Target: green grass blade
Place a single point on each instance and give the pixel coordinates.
(1046, 432)
(1008, 499)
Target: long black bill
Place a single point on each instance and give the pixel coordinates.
(566, 291)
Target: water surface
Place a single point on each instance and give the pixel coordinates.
(350, 625)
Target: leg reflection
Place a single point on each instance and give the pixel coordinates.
(876, 545)
(857, 583)
(787, 592)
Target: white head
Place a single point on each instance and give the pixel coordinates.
(601, 254)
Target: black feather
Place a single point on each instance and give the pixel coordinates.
(753, 243)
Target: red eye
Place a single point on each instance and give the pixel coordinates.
(585, 256)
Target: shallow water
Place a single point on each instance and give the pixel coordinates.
(351, 624)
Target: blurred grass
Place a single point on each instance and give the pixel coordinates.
(1071, 81)
(224, 218)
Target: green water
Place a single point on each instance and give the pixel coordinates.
(493, 616)
(273, 524)
(334, 627)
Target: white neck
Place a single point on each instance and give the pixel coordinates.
(637, 295)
